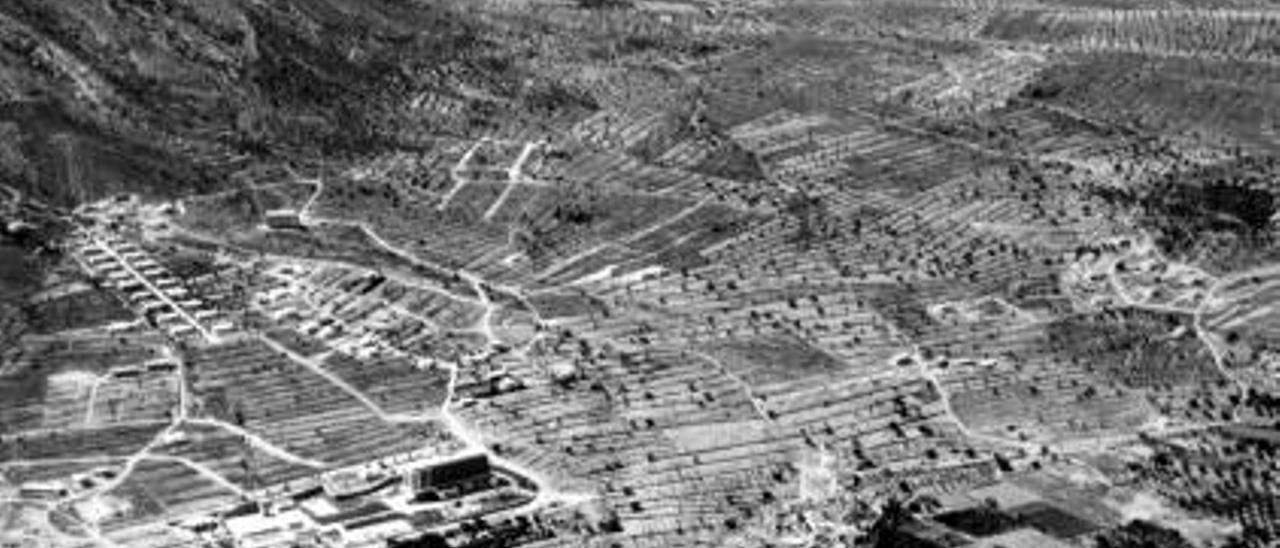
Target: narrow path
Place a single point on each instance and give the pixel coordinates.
(474, 441)
(756, 403)
(103, 459)
(455, 173)
(403, 254)
(259, 443)
(515, 176)
(305, 211)
(485, 324)
(92, 401)
(203, 471)
(131, 462)
(315, 366)
(1197, 314)
(932, 378)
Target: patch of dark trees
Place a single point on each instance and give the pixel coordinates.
(1220, 214)
(899, 526)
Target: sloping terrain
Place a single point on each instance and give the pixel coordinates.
(639, 273)
(105, 97)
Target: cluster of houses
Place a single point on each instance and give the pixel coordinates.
(149, 288)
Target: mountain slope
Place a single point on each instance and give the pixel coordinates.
(166, 98)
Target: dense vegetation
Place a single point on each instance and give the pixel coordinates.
(167, 99)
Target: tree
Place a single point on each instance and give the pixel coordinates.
(812, 214)
(1142, 534)
(892, 516)
(604, 4)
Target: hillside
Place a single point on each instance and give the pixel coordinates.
(99, 97)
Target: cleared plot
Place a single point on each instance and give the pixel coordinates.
(146, 396)
(804, 73)
(675, 243)
(394, 384)
(602, 214)
(908, 310)
(564, 226)
(475, 198)
(112, 441)
(231, 457)
(18, 474)
(451, 238)
(777, 358)
(1057, 403)
(564, 304)
(285, 195)
(81, 309)
(226, 212)
(518, 201)
(48, 384)
(1076, 377)
(252, 386)
(156, 490)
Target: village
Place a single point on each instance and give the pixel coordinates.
(794, 284)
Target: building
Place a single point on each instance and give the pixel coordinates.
(452, 478)
(349, 484)
(256, 530)
(284, 219)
